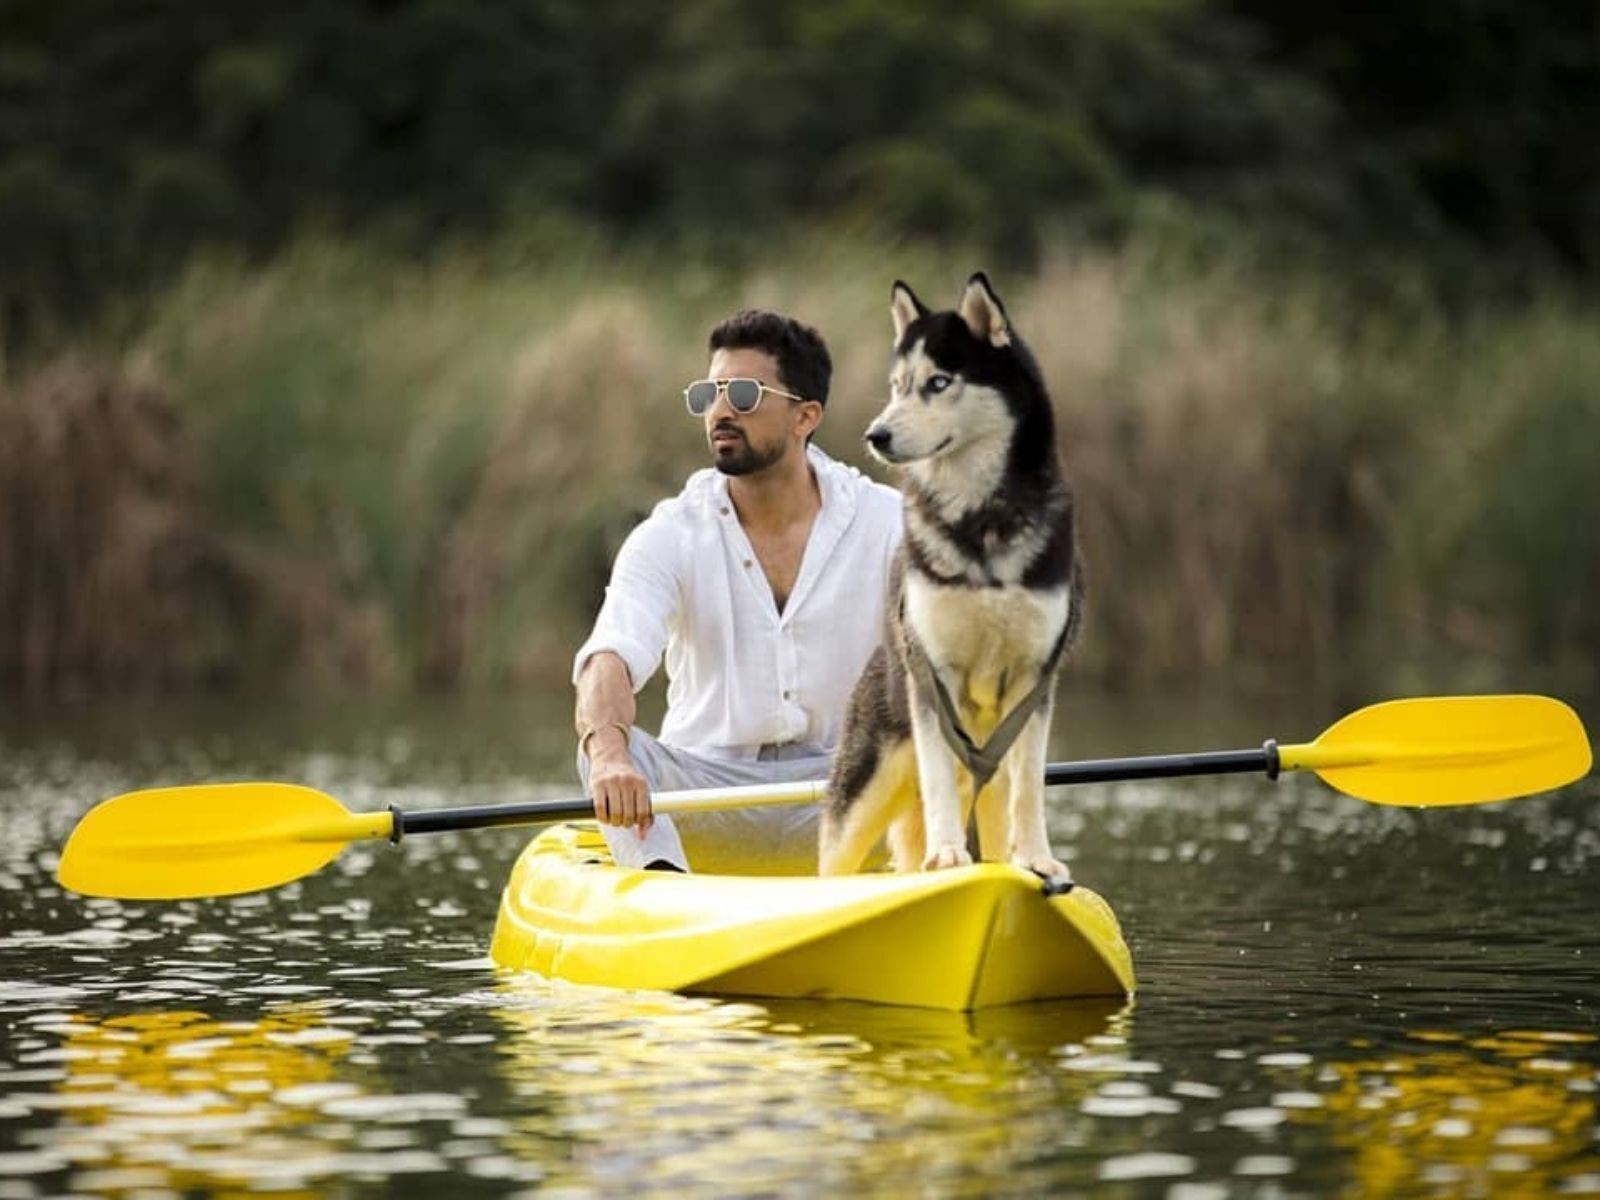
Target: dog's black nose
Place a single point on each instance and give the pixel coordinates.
(879, 438)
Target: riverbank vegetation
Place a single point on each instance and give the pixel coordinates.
(349, 468)
(342, 342)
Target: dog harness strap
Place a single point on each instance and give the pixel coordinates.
(983, 761)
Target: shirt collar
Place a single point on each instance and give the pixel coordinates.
(838, 499)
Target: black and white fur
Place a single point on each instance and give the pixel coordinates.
(988, 581)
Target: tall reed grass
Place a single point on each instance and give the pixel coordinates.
(373, 472)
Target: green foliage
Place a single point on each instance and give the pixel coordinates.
(1512, 497)
(130, 134)
(412, 271)
(419, 473)
(1466, 127)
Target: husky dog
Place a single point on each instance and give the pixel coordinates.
(983, 602)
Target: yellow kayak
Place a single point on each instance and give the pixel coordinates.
(961, 939)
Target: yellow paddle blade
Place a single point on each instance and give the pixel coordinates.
(219, 839)
(1449, 750)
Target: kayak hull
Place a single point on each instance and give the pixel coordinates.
(973, 937)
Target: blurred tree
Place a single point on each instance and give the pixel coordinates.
(1467, 125)
(133, 131)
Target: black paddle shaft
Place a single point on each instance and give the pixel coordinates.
(1093, 770)
(1166, 766)
(489, 816)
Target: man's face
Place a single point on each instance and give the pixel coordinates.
(742, 443)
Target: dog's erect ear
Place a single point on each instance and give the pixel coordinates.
(981, 309)
(905, 308)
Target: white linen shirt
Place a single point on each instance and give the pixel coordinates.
(687, 585)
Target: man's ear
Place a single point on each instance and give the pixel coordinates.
(981, 309)
(809, 416)
(905, 308)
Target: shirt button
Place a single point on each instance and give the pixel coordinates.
(787, 693)
(724, 510)
(747, 562)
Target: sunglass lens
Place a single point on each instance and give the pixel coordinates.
(744, 394)
(700, 396)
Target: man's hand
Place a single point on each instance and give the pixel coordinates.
(621, 794)
(606, 706)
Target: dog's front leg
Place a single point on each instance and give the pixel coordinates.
(993, 809)
(941, 791)
(1030, 845)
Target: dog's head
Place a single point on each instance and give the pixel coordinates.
(957, 379)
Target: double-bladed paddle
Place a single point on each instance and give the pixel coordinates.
(223, 838)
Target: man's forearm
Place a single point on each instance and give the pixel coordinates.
(606, 708)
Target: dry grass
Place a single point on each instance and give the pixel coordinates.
(109, 579)
(353, 470)
(117, 579)
(1232, 469)
(572, 465)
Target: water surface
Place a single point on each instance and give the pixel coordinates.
(1335, 998)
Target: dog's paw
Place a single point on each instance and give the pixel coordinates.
(951, 854)
(1044, 866)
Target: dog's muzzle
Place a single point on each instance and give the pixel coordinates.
(880, 440)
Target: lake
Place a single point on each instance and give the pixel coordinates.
(1334, 997)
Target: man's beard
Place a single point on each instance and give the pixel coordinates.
(745, 459)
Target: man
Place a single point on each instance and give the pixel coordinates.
(762, 584)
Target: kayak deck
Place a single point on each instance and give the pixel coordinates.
(967, 938)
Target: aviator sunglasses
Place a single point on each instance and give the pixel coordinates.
(743, 394)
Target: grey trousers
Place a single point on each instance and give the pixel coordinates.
(782, 838)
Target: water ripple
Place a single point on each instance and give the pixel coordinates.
(1335, 998)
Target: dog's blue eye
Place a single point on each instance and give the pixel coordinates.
(937, 384)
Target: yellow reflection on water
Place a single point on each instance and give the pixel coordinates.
(710, 1097)
(180, 1100)
(1508, 1115)
(593, 1087)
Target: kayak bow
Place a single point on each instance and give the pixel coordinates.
(966, 938)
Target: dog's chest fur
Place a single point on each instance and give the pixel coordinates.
(987, 643)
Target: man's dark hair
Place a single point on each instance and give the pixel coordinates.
(802, 355)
